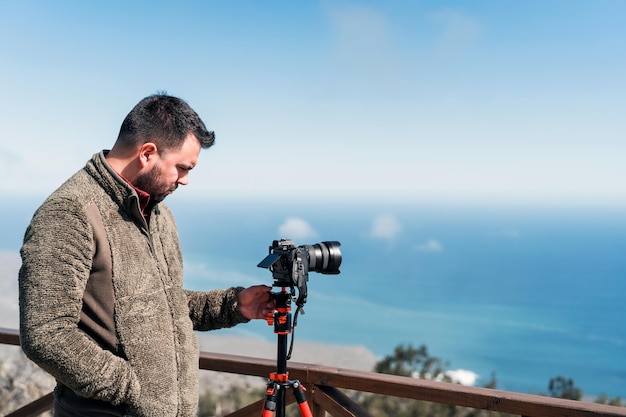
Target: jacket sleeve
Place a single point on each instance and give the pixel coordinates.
(56, 262)
(215, 309)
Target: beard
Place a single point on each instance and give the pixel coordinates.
(152, 182)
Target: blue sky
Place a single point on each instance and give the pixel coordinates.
(496, 102)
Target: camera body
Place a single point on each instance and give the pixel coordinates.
(290, 264)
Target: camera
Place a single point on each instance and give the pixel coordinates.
(290, 264)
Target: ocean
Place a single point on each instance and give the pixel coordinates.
(527, 294)
(524, 294)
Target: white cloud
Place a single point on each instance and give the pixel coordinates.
(431, 245)
(458, 376)
(460, 31)
(462, 376)
(296, 228)
(362, 35)
(385, 226)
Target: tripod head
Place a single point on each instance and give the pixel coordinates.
(281, 317)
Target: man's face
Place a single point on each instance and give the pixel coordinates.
(168, 170)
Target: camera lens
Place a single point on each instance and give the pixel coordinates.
(324, 257)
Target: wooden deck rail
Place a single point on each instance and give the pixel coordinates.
(323, 393)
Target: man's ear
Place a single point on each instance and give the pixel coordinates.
(147, 153)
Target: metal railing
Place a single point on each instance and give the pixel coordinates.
(324, 395)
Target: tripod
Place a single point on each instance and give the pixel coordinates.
(279, 381)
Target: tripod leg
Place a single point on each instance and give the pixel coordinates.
(298, 392)
(269, 407)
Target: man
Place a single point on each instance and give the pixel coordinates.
(102, 306)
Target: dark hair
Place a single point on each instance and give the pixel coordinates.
(164, 120)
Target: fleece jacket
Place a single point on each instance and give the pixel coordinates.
(146, 357)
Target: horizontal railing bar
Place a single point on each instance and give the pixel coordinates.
(398, 386)
(417, 389)
(9, 336)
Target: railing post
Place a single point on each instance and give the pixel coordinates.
(316, 408)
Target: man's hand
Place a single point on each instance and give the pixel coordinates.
(255, 302)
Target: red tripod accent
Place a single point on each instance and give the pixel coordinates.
(279, 381)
